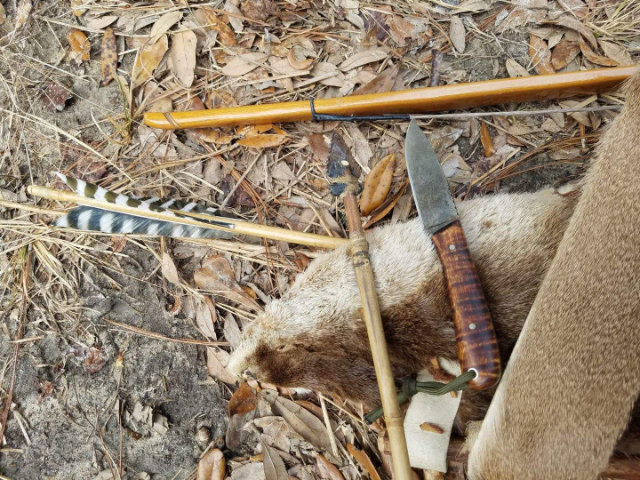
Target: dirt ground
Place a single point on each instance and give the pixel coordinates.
(90, 399)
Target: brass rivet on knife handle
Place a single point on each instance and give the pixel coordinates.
(476, 338)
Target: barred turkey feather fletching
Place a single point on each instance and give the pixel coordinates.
(97, 219)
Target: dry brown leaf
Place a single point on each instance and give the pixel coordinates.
(169, 270)
(574, 24)
(377, 184)
(101, 22)
(486, 140)
(217, 361)
(540, 55)
(362, 58)
(594, 57)
(243, 400)
(319, 146)
(263, 141)
(327, 470)
(183, 56)
(216, 275)
(431, 427)
(617, 53)
(514, 69)
(236, 22)
(365, 462)
(303, 422)
(148, 60)
(259, 10)
(163, 24)
(108, 57)
(564, 53)
(298, 64)
(243, 64)
(80, 46)
(457, 34)
(212, 465)
(207, 18)
(206, 318)
(274, 468)
(382, 83)
(387, 206)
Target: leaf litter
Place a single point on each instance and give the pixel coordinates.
(188, 56)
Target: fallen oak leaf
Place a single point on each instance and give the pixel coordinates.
(377, 184)
(327, 470)
(274, 468)
(362, 58)
(148, 60)
(303, 422)
(216, 275)
(514, 69)
(212, 465)
(573, 23)
(243, 64)
(169, 270)
(298, 64)
(540, 55)
(382, 83)
(108, 57)
(486, 140)
(80, 46)
(457, 34)
(563, 53)
(183, 56)
(206, 317)
(365, 462)
(163, 24)
(617, 53)
(263, 141)
(243, 400)
(207, 18)
(384, 209)
(594, 57)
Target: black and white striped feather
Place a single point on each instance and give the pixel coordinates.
(103, 220)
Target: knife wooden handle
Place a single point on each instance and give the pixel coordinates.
(477, 344)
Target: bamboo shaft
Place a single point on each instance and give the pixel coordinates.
(240, 227)
(373, 321)
(419, 100)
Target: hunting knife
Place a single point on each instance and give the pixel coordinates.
(475, 336)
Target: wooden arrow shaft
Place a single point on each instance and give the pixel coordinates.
(239, 227)
(419, 100)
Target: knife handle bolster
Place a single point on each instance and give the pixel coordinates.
(475, 335)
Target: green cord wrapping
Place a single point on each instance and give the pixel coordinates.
(410, 387)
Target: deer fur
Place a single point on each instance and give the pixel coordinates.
(572, 383)
(314, 338)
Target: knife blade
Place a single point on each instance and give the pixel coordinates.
(475, 335)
